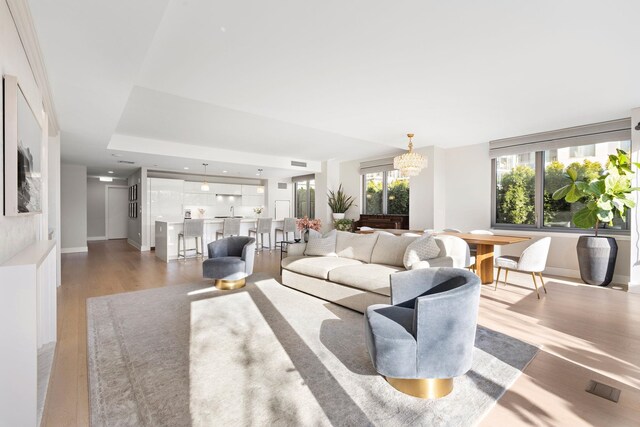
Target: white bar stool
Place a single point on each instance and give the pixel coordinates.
(230, 227)
(263, 227)
(191, 228)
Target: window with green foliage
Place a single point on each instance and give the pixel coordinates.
(305, 199)
(525, 183)
(386, 193)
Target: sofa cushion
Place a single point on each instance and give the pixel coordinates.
(316, 266)
(319, 245)
(421, 249)
(355, 246)
(368, 277)
(390, 249)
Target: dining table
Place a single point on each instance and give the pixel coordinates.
(485, 247)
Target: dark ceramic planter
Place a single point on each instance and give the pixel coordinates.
(597, 259)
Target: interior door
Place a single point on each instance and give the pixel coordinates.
(117, 212)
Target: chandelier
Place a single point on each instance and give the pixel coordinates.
(409, 163)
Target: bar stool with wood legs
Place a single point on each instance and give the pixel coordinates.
(192, 228)
(533, 260)
(230, 227)
(289, 226)
(263, 226)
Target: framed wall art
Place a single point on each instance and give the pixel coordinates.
(23, 152)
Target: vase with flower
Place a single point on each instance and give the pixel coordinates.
(305, 224)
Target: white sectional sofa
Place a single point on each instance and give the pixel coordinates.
(357, 275)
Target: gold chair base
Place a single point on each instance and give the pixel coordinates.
(227, 285)
(424, 388)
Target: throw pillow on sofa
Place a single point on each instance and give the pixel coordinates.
(319, 245)
(421, 249)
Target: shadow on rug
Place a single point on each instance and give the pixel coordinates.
(264, 354)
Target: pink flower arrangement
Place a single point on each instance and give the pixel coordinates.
(306, 223)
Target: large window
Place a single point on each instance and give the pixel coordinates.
(524, 185)
(385, 193)
(305, 198)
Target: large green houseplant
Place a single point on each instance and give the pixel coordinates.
(603, 198)
(339, 202)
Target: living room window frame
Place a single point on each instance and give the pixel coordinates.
(385, 193)
(306, 179)
(539, 168)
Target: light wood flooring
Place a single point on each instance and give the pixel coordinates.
(584, 332)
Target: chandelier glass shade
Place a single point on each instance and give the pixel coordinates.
(409, 163)
(205, 185)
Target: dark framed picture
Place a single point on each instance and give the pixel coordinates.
(23, 151)
(130, 194)
(135, 192)
(135, 210)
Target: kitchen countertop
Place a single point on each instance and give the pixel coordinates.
(210, 220)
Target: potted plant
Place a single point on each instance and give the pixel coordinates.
(604, 198)
(339, 202)
(343, 224)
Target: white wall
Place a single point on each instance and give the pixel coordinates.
(73, 197)
(352, 185)
(426, 192)
(96, 199)
(16, 232)
(273, 193)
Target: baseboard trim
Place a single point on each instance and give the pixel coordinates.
(93, 239)
(575, 274)
(134, 244)
(74, 250)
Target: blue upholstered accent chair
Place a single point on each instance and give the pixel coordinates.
(230, 261)
(426, 336)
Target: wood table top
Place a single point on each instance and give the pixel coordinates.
(477, 239)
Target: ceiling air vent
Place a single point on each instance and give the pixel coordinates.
(282, 186)
(127, 162)
(296, 163)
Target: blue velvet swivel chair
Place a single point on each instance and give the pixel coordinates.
(426, 336)
(230, 261)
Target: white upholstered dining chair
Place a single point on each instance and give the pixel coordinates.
(532, 260)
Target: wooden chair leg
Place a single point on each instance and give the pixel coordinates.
(497, 278)
(506, 275)
(533, 276)
(542, 281)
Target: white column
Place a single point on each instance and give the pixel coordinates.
(634, 269)
(327, 179)
(54, 196)
(426, 192)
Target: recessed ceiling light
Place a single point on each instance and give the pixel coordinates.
(224, 171)
(186, 168)
(116, 155)
(109, 171)
(223, 29)
(106, 179)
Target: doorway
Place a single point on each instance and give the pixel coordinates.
(117, 204)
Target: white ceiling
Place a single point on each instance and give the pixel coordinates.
(333, 79)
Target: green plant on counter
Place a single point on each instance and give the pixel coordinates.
(343, 224)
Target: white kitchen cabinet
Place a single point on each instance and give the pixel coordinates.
(229, 189)
(252, 190)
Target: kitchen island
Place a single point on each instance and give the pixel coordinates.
(167, 235)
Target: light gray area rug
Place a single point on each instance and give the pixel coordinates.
(263, 355)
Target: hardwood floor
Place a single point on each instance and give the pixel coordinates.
(584, 332)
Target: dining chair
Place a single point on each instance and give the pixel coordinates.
(532, 260)
(451, 230)
(263, 226)
(230, 227)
